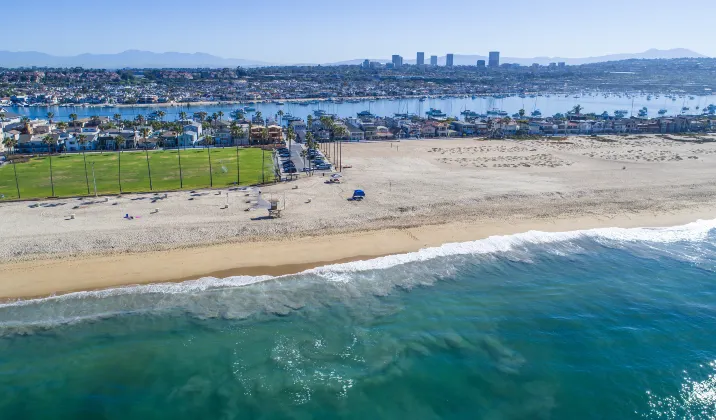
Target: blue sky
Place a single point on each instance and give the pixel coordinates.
(284, 31)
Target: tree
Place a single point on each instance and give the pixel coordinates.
(208, 141)
(182, 116)
(117, 119)
(73, 117)
(220, 114)
(279, 114)
(341, 132)
(201, 116)
(311, 145)
(577, 109)
(49, 141)
(50, 116)
(290, 136)
(179, 129)
(160, 115)
(82, 141)
(145, 133)
(62, 125)
(10, 143)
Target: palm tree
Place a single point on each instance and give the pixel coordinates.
(82, 141)
(10, 143)
(201, 116)
(290, 136)
(220, 114)
(264, 135)
(311, 145)
(145, 133)
(341, 132)
(62, 125)
(117, 140)
(182, 116)
(117, 119)
(73, 117)
(208, 141)
(50, 116)
(139, 120)
(49, 140)
(577, 109)
(161, 115)
(280, 115)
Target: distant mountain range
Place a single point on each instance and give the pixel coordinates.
(147, 59)
(129, 58)
(471, 60)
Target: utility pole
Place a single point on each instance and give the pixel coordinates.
(94, 180)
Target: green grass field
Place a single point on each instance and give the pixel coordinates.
(69, 172)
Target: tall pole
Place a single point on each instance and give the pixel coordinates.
(84, 157)
(211, 176)
(17, 185)
(94, 180)
(149, 169)
(119, 168)
(263, 165)
(181, 180)
(238, 167)
(52, 182)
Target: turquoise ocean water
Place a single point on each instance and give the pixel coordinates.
(601, 324)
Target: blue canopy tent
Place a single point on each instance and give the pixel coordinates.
(358, 195)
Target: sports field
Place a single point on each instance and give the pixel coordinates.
(128, 170)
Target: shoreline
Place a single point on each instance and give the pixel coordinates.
(42, 278)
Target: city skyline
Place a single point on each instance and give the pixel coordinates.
(230, 33)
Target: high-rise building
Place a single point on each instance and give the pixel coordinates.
(561, 64)
(481, 64)
(397, 61)
(366, 63)
(433, 60)
(420, 59)
(494, 60)
(449, 60)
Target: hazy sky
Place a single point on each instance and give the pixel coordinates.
(291, 31)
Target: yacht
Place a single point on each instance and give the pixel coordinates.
(662, 111)
(436, 113)
(536, 113)
(497, 112)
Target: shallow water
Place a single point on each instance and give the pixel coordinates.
(609, 323)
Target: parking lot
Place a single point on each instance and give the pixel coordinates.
(299, 159)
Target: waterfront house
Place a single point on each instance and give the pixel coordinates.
(275, 134)
(463, 128)
(354, 133)
(382, 132)
(71, 143)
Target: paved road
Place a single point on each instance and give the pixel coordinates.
(296, 149)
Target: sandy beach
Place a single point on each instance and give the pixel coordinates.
(419, 194)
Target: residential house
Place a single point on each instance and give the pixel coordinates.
(354, 133)
(463, 128)
(275, 134)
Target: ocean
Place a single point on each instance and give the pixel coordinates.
(599, 324)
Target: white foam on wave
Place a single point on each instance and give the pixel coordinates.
(200, 285)
(696, 231)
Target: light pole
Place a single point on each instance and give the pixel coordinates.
(94, 180)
